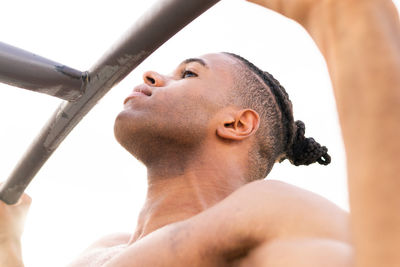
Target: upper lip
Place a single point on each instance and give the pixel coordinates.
(143, 89)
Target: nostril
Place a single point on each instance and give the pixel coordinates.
(151, 80)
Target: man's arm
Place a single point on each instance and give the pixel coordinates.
(360, 40)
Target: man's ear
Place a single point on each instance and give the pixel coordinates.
(239, 125)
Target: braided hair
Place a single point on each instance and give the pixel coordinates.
(286, 137)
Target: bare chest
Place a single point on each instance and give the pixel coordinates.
(303, 252)
(98, 256)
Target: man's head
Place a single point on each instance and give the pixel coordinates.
(279, 136)
(215, 100)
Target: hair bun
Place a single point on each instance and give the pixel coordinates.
(305, 151)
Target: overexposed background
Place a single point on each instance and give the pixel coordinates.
(91, 186)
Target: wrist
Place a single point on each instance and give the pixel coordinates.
(11, 253)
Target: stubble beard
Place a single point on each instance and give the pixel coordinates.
(166, 147)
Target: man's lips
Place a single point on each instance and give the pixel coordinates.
(140, 90)
(133, 95)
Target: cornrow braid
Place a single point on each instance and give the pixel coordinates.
(305, 151)
(298, 149)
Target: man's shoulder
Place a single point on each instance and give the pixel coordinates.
(276, 208)
(263, 212)
(271, 186)
(273, 197)
(282, 193)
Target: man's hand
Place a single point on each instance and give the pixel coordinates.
(12, 220)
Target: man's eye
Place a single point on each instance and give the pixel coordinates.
(188, 74)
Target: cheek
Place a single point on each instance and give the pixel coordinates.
(184, 103)
(175, 103)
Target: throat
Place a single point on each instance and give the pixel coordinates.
(165, 158)
(181, 185)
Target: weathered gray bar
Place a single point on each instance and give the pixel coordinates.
(26, 70)
(153, 29)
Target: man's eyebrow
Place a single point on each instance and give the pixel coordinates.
(198, 60)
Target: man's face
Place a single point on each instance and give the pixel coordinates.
(176, 108)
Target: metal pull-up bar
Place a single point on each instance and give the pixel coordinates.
(26, 70)
(153, 29)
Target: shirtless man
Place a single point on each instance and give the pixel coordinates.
(206, 203)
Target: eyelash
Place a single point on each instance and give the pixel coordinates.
(185, 72)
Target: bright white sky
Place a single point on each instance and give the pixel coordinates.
(91, 186)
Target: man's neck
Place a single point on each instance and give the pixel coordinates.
(176, 197)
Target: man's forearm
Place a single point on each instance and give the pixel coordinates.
(360, 40)
(10, 254)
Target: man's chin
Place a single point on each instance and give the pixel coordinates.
(122, 126)
(130, 127)
(128, 117)
(132, 136)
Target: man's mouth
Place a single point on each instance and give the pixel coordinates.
(139, 91)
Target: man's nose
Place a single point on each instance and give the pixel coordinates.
(153, 78)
